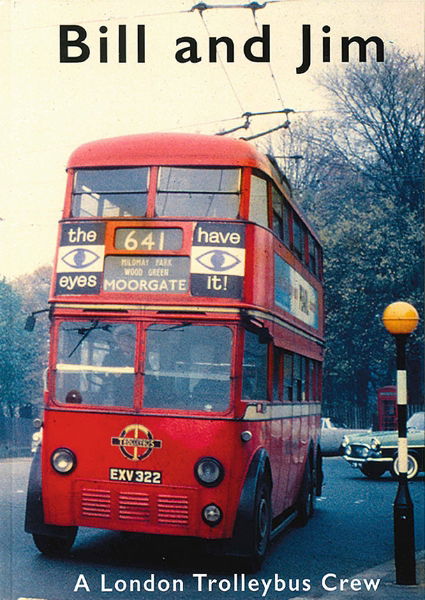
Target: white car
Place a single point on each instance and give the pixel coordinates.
(332, 434)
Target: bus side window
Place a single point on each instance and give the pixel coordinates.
(280, 216)
(277, 213)
(298, 378)
(258, 201)
(287, 377)
(311, 368)
(318, 381)
(285, 222)
(254, 372)
(298, 244)
(313, 255)
(277, 375)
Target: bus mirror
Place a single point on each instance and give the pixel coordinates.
(251, 324)
(31, 319)
(264, 336)
(30, 323)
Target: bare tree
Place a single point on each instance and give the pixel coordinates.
(380, 128)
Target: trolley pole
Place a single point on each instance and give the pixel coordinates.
(400, 319)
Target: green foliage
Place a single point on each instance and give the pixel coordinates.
(19, 355)
(361, 184)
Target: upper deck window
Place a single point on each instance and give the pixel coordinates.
(313, 251)
(190, 192)
(298, 244)
(110, 192)
(258, 201)
(280, 216)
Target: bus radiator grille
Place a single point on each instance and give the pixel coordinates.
(134, 507)
(173, 510)
(95, 503)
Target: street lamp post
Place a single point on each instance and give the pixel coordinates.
(400, 319)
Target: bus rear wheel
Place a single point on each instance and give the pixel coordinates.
(55, 545)
(305, 502)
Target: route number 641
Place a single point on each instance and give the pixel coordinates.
(148, 239)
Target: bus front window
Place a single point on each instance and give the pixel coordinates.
(110, 192)
(188, 367)
(95, 363)
(187, 192)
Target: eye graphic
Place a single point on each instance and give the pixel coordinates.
(218, 260)
(80, 258)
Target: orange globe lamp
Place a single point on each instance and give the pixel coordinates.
(400, 318)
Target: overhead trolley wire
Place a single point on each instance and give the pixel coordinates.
(232, 87)
(275, 83)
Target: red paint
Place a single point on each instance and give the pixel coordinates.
(87, 496)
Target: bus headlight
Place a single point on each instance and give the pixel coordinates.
(63, 461)
(209, 471)
(212, 514)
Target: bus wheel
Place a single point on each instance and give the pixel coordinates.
(412, 467)
(373, 471)
(305, 502)
(261, 527)
(54, 545)
(319, 472)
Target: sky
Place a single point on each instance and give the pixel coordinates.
(50, 107)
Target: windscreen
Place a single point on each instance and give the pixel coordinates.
(187, 367)
(95, 363)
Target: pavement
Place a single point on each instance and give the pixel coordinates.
(384, 579)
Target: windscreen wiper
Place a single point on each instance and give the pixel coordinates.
(85, 331)
(179, 326)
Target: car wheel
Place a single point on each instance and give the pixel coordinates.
(412, 467)
(373, 470)
(54, 545)
(305, 502)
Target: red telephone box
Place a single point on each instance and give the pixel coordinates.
(387, 408)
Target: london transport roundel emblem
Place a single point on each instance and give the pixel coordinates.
(136, 442)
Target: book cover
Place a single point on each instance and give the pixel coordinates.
(76, 71)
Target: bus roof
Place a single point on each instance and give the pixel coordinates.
(168, 149)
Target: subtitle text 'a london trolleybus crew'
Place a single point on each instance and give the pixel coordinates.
(184, 378)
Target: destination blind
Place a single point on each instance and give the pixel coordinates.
(215, 266)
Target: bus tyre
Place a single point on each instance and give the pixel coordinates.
(55, 545)
(305, 502)
(319, 472)
(373, 470)
(261, 527)
(412, 467)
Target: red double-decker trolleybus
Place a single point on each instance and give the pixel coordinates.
(184, 378)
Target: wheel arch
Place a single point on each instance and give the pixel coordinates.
(34, 513)
(258, 468)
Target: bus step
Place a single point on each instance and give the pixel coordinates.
(283, 523)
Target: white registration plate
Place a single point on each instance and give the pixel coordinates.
(134, 475)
